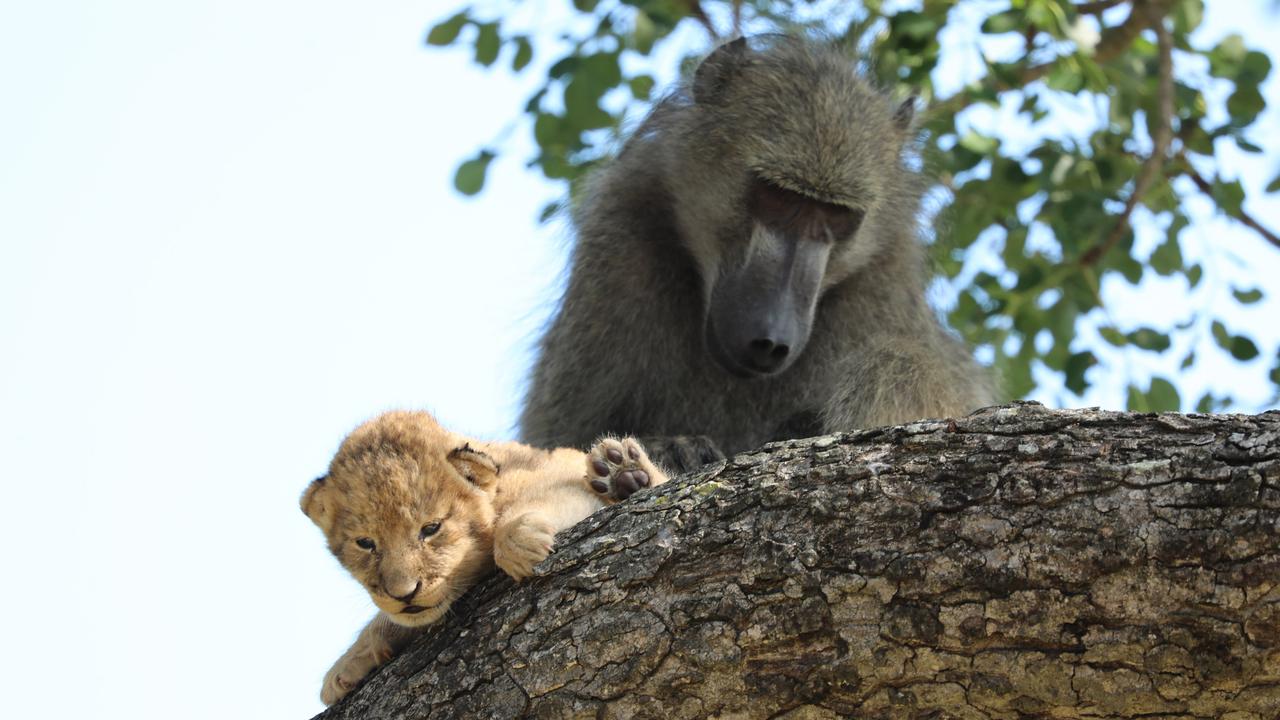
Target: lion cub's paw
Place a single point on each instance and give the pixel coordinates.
(352, 668)
(521, 543)
(617, 468)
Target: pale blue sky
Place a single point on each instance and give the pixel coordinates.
(227, 235)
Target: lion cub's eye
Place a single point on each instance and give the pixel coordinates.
(428, 530)
(365, 543)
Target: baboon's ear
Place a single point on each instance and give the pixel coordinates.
(478, 468)
(905, 113)
(317, 503)
(715, 72)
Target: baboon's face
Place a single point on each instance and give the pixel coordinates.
(762, 304)
(790, 152)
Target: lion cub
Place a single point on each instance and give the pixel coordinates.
(419, 514)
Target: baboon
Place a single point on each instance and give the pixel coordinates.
(750, 268)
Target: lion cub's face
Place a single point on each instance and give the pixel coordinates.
(407, 508)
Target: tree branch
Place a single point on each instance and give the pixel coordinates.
(1241, 216)
(1097, 8)
(1018, 562)
(696, 11)
(1160, 141)
(1114, 41)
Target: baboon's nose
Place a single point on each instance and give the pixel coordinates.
(406, 597)
(765, 355)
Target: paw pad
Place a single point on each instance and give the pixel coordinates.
(619, 468)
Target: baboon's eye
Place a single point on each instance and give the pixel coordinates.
(428, 530)
(782, 208)
(365, 543)
(775, 205)
(841, 221)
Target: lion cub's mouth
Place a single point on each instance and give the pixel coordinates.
(415, 609)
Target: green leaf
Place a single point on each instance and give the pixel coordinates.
(1188, 361)
(488, 42)
(1003, 22)
(524, 53)
(1226, 59)
(581, 104)
(645, 33)
(1245, 104)
(914, 25)
(1274, 185)
(1167, 258)
(1136, 401)
(1113, 336)
(641, 86)
(547, 129)
(534, 104)
(1066, 76)
(549, 211)
(1247, 146)
(1194, 273)
(585, 6)
(1275, 371)
(1187, 15)
(604, 70)
(447, 31)
(1220, 334)
(563, 66)
(1254, 69)
(1046, 15)
(1162, 396)
(555, 166)
(1210, 403)
(1149, 339)
(979, 144)
(1240, 347)
(1247, 297)
(1124, 263)
(469, 179)
(1074, 372)
(1206, 403)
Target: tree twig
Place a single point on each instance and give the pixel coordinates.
(1097, 8)
(697, 13)
(1115, 40)
(1241, 216)
(1160, 140)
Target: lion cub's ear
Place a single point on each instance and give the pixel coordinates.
(317, 504)
(475, 466)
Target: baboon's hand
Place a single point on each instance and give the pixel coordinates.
(680, 454)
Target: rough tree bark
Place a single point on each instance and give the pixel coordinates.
(1019, 562)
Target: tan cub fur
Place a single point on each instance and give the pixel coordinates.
(418, 514)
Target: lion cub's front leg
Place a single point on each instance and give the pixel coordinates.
(619, 467)
(561, 496)
(522, 542)
(380, 641)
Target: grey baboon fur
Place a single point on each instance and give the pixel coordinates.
(676, 218)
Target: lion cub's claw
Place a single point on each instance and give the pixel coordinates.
(351, 670)
(617, 469)
(521, 543)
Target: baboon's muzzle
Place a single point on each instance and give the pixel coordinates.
(761, 313)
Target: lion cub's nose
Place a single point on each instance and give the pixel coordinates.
(402, 587)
